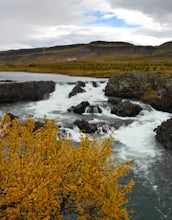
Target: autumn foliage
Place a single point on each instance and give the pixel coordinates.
(46, 177)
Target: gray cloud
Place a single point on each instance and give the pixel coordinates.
(160, 10)
(42, 12)
(22, 20)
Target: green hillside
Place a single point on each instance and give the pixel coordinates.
(94, 59)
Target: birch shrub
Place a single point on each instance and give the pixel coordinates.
(44, 177)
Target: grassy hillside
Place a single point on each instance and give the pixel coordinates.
(100, 59)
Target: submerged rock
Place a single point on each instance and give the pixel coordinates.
(164, 134)
(25, 91)
(126, 109)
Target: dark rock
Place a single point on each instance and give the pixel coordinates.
(80, 83)
(77, 89)
(12, 117)
(6, 80)
(164, 134)
(94, 84)
(114, 100)
(125, 109)
(126, 85)
(25, 91)
(79, 109)
(154, 89)
(93, 109)
(38, 125)
(85, 127)
(71, 109)
(100, 127)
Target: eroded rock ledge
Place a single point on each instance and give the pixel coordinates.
(154, 89)
(25, 91)
(164, 134)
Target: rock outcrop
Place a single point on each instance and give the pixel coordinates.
(164, 134)
(126, 109)
(25, 91)
(154, 89)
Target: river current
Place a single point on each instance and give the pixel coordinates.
(152, 171)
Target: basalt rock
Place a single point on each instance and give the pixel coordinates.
(164, 134)
(114, 100)
(100, 127)
(79, 109)
(154, 89)
(85, 126)
(25, 91)
(77, 89)
(94, 84)
(127, 85)
(126, 109)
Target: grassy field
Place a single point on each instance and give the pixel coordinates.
(90, 68)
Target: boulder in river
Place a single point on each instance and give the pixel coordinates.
(79, 109)
(77, 89)
(25, 91)
(85, 126)
(126, 109)
(164, 134)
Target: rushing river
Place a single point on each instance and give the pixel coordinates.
(152, 194)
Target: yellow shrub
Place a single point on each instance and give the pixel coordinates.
(43, 177)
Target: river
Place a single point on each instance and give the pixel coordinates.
(152, 171)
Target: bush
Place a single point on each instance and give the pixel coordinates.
(44, 177)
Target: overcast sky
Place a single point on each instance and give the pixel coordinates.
(44, 23)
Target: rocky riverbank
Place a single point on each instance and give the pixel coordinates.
(11, 92)
(154, 89)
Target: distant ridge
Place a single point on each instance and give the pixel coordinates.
(101, 50)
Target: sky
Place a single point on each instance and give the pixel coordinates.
(45, 23)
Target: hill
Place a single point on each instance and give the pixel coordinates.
(99, 58)
(98, 50)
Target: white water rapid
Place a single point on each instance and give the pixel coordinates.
(152, 197)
